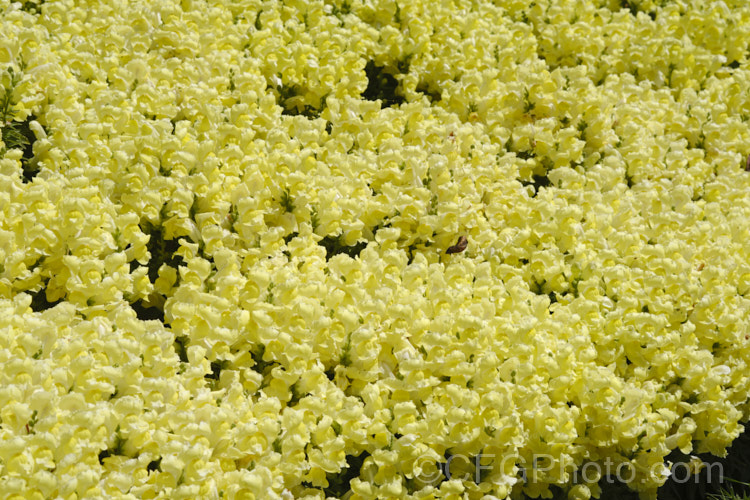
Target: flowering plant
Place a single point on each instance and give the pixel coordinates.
(287, 249)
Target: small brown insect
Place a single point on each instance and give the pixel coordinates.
(747, 164)
(701, 266)
(460, 246)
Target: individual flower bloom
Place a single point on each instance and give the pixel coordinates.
(142, 286)
(579, 492)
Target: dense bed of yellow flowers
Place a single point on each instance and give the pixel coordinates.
(314, 330)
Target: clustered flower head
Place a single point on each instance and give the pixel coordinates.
(223, 235)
